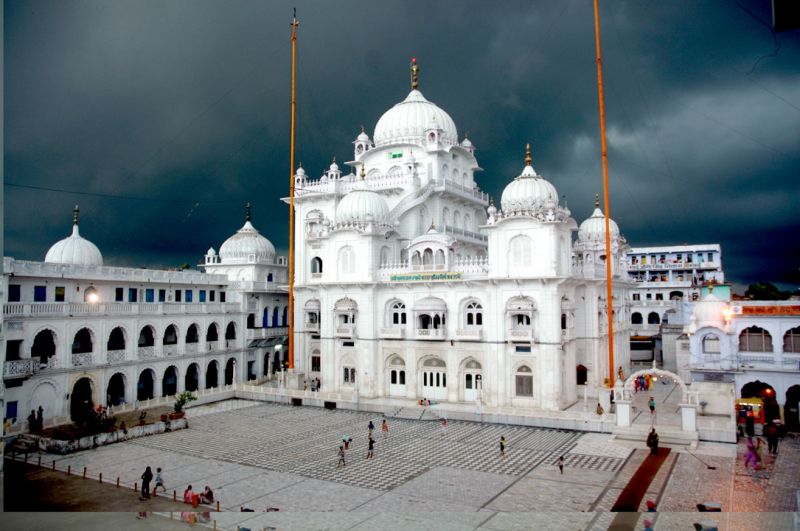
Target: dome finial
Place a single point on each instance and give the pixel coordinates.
(363, 130)
(528, 159)
(414, 74)
(247, 211)
(363, 174)
(75, 212)
(334, 159)
(597, 200)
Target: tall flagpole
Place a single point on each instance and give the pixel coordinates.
(291, 198)
(603, 148)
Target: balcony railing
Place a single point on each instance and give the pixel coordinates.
(431, 333)
(520, 334)
(170, 350)
(345, 330)
(83, 359)
(312, 327)
(36, 309)
(211, 346)
(393, 332)
(146, 353)
(263, 333)
(116, 356)
(20, 368)
(190, 348)
(469, 334)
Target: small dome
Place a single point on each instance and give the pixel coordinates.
(529, 191)
(300, 171)
(433, 236)
(408, 120)
(361, 205)
(211, 252)
(247, 246)
(467, 144)
(74, 249)
(431, 304)
(334, 167)
(362, 136)
(594, 228)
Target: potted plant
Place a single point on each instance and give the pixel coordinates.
(703, 405)
(181, 401)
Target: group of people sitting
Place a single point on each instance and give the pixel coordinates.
(206, 497)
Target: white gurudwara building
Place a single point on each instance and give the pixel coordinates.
(411, 283)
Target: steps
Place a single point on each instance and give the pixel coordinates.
(414, 413)
(666, 435)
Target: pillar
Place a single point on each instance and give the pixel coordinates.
(688, 417)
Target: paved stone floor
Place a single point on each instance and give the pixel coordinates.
(258, 456)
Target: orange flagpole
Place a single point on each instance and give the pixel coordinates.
(291, 198)
(604, 151)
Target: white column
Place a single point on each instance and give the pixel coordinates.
(688, 417)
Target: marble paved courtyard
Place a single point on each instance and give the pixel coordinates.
(258, 456)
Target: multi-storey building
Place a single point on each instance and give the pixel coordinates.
(665, 279)
(411, 283)
(80, 332)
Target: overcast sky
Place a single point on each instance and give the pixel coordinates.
(180, 111)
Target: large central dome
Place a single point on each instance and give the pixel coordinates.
(408, 120)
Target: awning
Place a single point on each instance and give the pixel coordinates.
(253, 343)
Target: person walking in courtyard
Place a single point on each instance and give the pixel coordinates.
(385, 429)
(503, 445)
(159, 482)
(341, 461)
(319, 384)
(652, 405)
(370, 447)
(750, 456)
(32, 422)
(621, 374)
(599, 409)
(560, 461)
(371, 427)
(636, 385)
(40, 418)
(444, 426)
(346, 440)
(147, 477)
(652, 442)
(771, 432)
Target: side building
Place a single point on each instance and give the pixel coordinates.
(80, 333)
(664, 281)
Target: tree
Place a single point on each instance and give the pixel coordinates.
(766, 291)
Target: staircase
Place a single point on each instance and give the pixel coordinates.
(411, 200)
(414, 413)
(672, 435)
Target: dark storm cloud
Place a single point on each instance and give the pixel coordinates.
(188, 102)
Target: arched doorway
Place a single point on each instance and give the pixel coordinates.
(229, 371)
(251, 320)
(397, 376)
(434, 379)
(266, 364)
(265, 318)
(169, 384)
(82, 343)
(192, 380)
(276, 361)
(766, 393)
(116, 339)
(581, 375)
(80, 400)
(44, 346)
(473, 381)
(144, 387)
(791, 409)
(115, 392)
(211, 375)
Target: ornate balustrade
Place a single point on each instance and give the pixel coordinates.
(83, 359)
(116, 356)
(146, 353)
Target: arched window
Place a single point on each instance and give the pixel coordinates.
(316, 265)
(791, 340)
(439, 259)
(82, 342)
(147, 337)
(170, 336)
(474, 312)
(398, 313)
(711, 344)
(467, 222)
(347, 261)
(445, 217)
(44, 346)
(230, 332)
(427, 258)
(116, 339)
(755, 339)
(192, 334)
(520, 250)
(457, 219)
(251, 320)
(653, 318)
(211, 333)
(563, 321)
(524, 382)
(636, 318)
(384, 256)
(285, 316)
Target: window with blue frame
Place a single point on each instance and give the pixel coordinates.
(188, 295)
(40, 294)
(202, 295)
(14, 293)
(133, 294)
(11, 410)
(162, 295)
(149, 295)
(177, 295)
(119, 294)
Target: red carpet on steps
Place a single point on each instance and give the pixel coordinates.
(631, 496)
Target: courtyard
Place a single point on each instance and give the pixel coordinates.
(258, 456)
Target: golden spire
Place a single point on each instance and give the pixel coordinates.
(75, 215)
(414, 74)
(597, 200)
(247, 211)
(363, 174)
(528, 159)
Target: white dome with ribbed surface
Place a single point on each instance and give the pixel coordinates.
(361, 205)
(529, 191)
(594, 228)
(247, 246)
(74, 250)
(408, 120)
